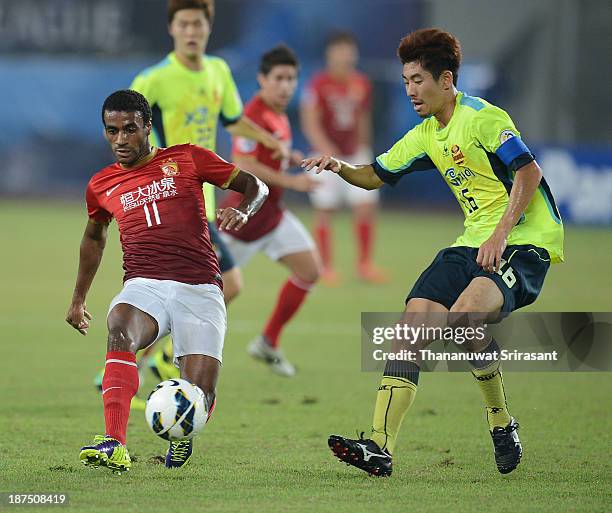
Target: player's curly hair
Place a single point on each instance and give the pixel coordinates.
(434, 49)
(208, 6)
(127, 100)
(277, 56)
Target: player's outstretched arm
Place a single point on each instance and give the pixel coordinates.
(254, 193)
(300, 182)
(361, 176)
(247, 128)
(526, 181)
(92, 248)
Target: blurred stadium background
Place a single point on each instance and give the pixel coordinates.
(544, 61)
(541, 60)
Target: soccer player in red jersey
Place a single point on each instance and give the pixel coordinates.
(172, 280)
(274, 230)
(336, 119)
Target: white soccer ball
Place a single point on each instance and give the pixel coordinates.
(176, 410)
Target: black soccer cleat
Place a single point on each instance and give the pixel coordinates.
(508, 448)
(363, 454)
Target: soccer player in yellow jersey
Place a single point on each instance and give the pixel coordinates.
(512, 233)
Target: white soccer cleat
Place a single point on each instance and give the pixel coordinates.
(261, 350)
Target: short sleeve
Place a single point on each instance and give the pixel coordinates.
(211, 168)
(405, 156)
(231, 106)
(496, 133)
(94, 209)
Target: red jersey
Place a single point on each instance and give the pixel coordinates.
(160, 212)
(341, 104)
(271, 212)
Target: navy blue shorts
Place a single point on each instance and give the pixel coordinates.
(520, 278)
(226, 260)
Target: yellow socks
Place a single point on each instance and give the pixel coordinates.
(491, 385)
(394, 398)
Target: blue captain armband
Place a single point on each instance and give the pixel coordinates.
(514, 153)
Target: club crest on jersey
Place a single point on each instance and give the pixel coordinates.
(505, 135)
(458, 157)
(245, 145)
(169, 168)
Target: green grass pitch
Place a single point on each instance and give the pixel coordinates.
(265, 449)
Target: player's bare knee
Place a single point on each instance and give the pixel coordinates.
(232, 284)
(309, 275)
(118, 340)
(315, 275)
(465, 305)
(315, 271)
(231, 292)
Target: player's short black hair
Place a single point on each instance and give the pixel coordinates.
(127, 100)
(208, 6)
(340, 37)
(277, 56)
(436, 50)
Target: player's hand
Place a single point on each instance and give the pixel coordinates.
(490, 252)
(78, 317)
(231, 218)
(303, 183)
(280, 150)
(296, 158)
(324, 162)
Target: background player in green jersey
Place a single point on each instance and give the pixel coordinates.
(513, 232)
(189, 92)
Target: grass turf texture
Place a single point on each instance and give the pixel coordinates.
(265, 448)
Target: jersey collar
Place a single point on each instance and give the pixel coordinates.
(174, 59)
(441, 133)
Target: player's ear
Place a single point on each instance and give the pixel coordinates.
(260, 79)
(448, 80)
(148, 128)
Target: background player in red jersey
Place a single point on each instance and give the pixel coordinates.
(336, 119)
(274, 230)
(172, 280)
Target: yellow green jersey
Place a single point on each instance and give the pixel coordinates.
(478, 154)
(187, 105)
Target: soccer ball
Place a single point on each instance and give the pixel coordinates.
(176, 410)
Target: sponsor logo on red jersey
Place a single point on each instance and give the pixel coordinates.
(156, 190)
